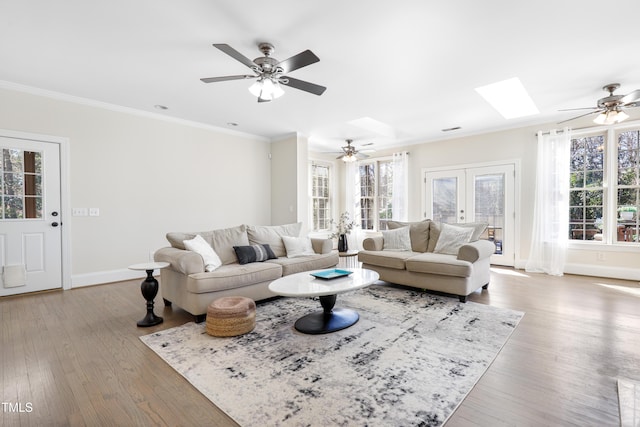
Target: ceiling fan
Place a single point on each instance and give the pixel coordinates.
(350, 154)
(610, 108)
(270, 72)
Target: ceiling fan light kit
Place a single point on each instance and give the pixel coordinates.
(270, 72)
(611, 117)
(266, 89)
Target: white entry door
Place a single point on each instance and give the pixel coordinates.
(481, 194)
(30, 221)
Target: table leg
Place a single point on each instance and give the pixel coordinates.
(149, 288)
(330, 319)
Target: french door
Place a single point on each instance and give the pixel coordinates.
(476, 194)
(30, 220)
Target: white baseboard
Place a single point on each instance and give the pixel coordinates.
(595, 270)
(102, 277)
(603, 271)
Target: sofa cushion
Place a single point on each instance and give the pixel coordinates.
(452, 238)
(233, 276)
(222, 241)
(442, 264)
(253, 253)
(297, 246)
(306, 263)
(390, 259)
(272, 235)
(201, 247)
(396, 240)
(418, 231)
(435, 227)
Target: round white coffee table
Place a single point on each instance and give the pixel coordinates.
(306, 285)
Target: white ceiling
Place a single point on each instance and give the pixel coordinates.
(410, 65)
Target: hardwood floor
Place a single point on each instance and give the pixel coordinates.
(74, 358)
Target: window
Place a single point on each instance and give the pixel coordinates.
(376, 191)
(605, 186)
(320, 196)
(586, 195)
(20, 184)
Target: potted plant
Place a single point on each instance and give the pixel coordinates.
(344, 226)
(627, 212)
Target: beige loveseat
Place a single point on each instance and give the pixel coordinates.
(186, 283)
(453, 267)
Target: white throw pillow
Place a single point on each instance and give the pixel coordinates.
(396, 240)
(451, 238)
(202, 248)
(297, 246)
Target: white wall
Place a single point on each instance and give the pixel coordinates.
(147, 176)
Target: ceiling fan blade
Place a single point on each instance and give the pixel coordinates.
(584, 108)
(235, 54)
(225, 78)
(305, 86)
(582, 115)
(298, 61)
(631, 98)
(263, 100)
(361, 156)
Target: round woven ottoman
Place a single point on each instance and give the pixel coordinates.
(231, 316)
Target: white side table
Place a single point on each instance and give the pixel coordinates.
(350, 259)
(149, 288)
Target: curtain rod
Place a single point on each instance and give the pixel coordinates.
(562, 130)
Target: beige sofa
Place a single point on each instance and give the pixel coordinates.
(186, 283)
(453, 267)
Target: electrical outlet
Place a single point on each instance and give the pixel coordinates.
(94, 212)
(600, 256)
(79, 212)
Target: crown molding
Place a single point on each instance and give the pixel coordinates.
(126, 110)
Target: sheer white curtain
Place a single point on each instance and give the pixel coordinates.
(550, 233)
(399, 200)
(352, 201)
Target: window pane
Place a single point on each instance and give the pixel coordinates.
(12, 160)
(13, 208)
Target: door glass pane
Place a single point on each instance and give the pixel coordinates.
(628, 206)
(489, 202)
(21, 184)
(445, 196)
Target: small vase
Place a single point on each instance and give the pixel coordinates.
(342, 243)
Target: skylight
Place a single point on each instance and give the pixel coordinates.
(509, 98)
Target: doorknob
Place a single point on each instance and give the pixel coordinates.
(54, 224)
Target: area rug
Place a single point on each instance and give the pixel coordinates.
(410, 360)
(629, 401)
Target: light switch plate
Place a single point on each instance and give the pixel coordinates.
(94, 211)
(79, 212)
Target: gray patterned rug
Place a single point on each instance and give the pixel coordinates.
(410, 360)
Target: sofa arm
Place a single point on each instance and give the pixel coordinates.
(185, 262)
(375, 243)
(476, 250)
(321, 246)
